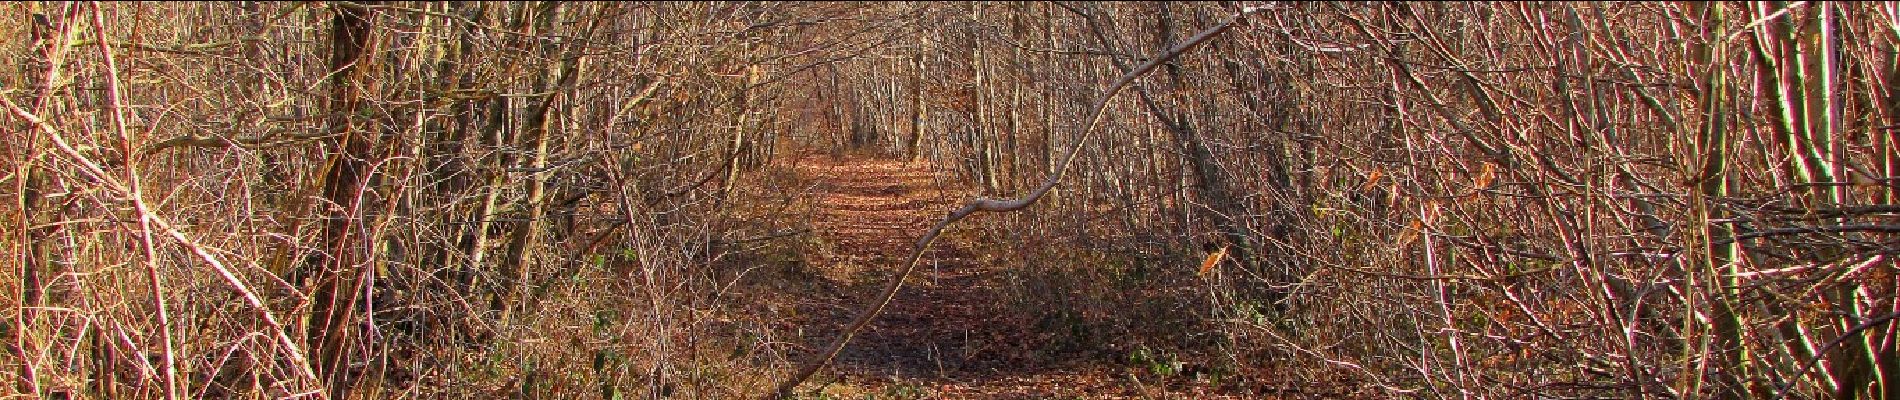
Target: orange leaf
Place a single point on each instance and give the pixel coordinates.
(1212, 259)
(1485, 176)
(1411, 233)
(1372, 178)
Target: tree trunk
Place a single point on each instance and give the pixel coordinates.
(566, 68)
(917, 104)
(742, 119)
(983, 140)
(337, 268)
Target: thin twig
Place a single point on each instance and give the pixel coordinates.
(115, 105)
(97, 173)
(1782, 392)
(985, 204)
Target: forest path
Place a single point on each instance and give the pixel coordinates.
(946, 321)
(951, 332)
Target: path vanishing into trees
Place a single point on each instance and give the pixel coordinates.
(950, 332)
(946, 323)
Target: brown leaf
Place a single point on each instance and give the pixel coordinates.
(1212, 259)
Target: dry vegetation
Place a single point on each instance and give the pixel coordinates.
(684, 200)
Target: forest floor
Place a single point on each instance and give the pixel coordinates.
(948, 333)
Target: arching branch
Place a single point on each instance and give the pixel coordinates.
(985, 204)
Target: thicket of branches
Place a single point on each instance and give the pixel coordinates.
(1409, 199)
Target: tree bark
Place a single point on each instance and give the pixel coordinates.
(336, 268)
(986, 204)
(917, 111)
(568, 62)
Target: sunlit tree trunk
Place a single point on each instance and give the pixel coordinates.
(566, 68)
(337, 268)
(918, 111)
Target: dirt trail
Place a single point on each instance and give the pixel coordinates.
(944, 323)
(950, 332)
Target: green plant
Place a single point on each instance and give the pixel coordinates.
(1157, 362)
(902, 391)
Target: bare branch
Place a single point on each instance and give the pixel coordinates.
(985, 204)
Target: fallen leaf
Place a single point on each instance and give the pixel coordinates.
(1212, 259)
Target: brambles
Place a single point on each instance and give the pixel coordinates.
(539, 199)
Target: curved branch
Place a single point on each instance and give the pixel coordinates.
(98, 174)
(1820, 354)
(985, 204)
